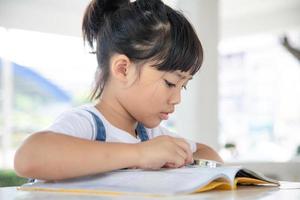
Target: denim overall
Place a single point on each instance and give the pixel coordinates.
(101, 133)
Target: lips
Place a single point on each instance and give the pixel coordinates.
(164, 116)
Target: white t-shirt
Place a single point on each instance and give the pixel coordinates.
(78, 122)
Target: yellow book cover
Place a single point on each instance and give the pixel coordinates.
(185, 180)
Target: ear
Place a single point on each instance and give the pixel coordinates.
(120, 66)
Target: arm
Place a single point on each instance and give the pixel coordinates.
(52, 156)
(205, 152)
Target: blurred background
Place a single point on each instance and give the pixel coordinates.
(245, 101)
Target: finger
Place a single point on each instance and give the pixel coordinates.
(186, 147)
(182, 143)
(176, 158)
(179, 162)
(189, 158)
(169, 165)
(182, 153)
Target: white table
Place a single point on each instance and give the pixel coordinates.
(245, 193)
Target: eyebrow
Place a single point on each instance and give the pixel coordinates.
(182, 76)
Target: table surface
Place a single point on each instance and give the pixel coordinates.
(261, 193)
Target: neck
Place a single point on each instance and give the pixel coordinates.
(116, 114)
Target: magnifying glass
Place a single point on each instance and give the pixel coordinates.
(206, 163)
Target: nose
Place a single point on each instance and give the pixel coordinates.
(175, 98)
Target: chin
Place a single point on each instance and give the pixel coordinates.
(152, 124)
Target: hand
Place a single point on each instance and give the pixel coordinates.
(164, 151)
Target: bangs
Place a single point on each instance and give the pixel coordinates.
(183, 50)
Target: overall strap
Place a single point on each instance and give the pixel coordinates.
(141, 132)
(100, 129)
(101, 133)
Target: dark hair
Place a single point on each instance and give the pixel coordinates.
(143, 30)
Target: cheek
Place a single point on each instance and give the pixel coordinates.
(149, 101)
(146, 101)
(158, 98)
(156, 94)
(137, 100)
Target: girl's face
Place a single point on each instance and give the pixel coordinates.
(154, 94)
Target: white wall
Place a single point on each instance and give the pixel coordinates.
(237, 17)
(50, 16)
(244, 17)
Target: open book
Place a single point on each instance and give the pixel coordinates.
(184, 180)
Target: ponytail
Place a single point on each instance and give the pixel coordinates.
(94, 17)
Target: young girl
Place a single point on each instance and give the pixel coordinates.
(146, 52)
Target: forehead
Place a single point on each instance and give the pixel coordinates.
(182, 75)
(150, 72)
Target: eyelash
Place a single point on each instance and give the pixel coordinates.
(172, 85)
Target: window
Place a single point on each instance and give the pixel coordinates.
(259, 89)
(49, 74)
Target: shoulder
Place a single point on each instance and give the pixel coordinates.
(75, 115)
(76, 122)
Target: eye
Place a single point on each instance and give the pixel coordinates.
(169, 84)
(184, 86)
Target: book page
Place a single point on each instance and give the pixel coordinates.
(165, 181)
(247, 173)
